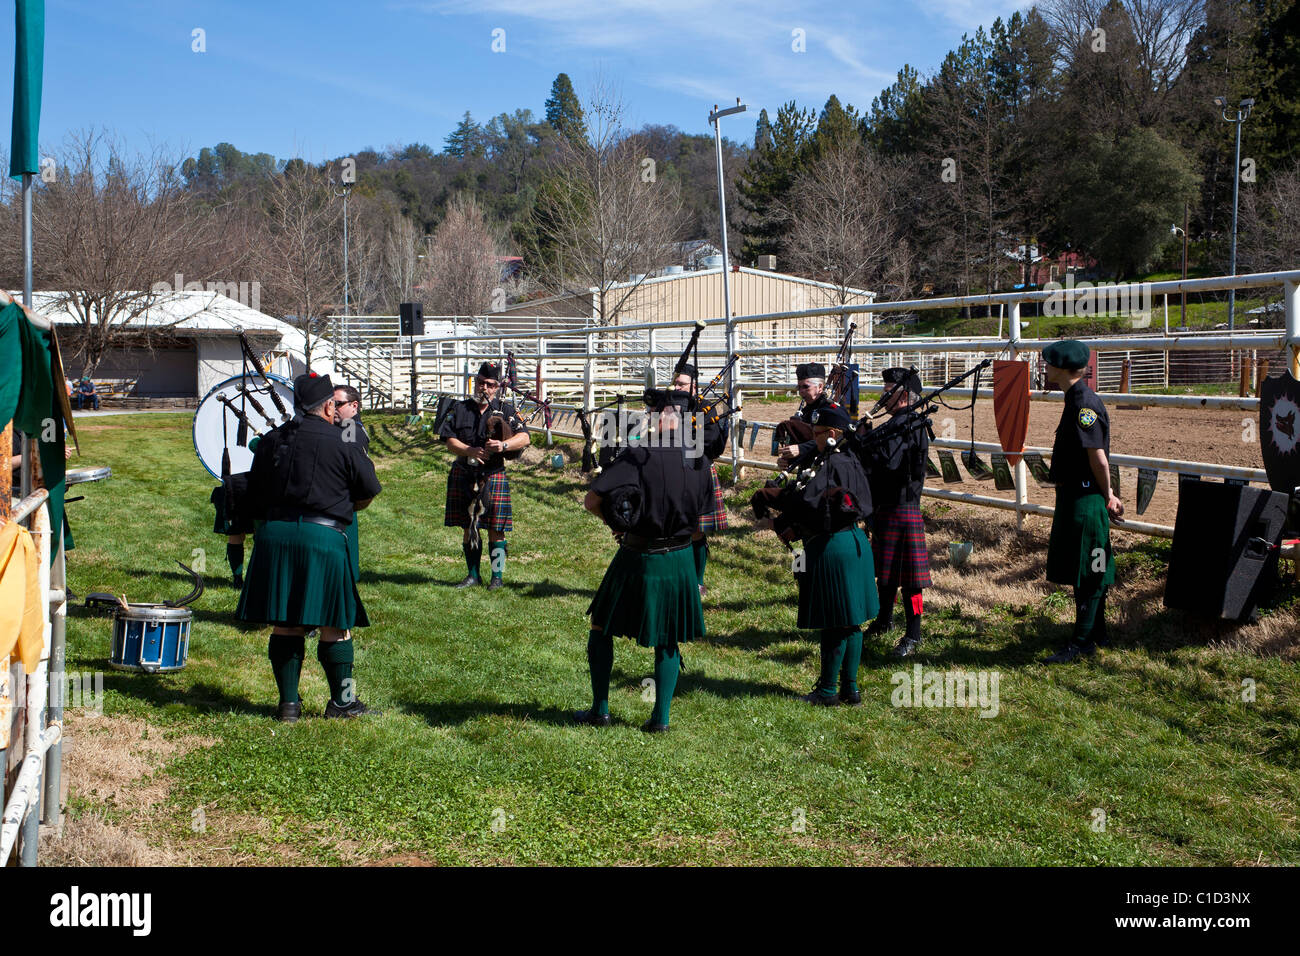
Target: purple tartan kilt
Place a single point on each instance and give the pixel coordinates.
(716, 520)
(898, 543)
(460, 487)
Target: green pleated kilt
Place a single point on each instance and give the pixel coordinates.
(301, 574)
(838, 585)
(1080, 531)
(354, 548)
(652, 598)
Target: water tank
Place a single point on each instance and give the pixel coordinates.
(711, 262)
(673, 270)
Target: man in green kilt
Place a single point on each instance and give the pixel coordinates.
(347, 415)
(715, 441)
(477, 480)
(837, 590)
(1079, 550)
(895, 457)
(651, 497)
(306, 482)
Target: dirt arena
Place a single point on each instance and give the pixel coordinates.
(1186, 434)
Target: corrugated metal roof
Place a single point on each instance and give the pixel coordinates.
(195, 312)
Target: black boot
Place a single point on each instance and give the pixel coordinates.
(1071, 652)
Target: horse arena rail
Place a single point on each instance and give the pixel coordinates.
(581, 365)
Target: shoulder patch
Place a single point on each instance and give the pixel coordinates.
(1087, 418)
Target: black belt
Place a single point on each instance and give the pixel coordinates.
(634, 542)
(315, 519)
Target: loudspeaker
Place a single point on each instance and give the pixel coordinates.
(1224, 557)
(411, 315)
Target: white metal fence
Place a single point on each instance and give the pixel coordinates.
(585, 365)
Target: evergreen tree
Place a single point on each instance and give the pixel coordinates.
(564, 112)
(465, 140)
(769, 174)
(762, 130)
(837, 127)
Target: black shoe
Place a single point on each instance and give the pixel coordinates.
(354, 709)
(496, 584)
(818, 699)
(592, 719)
(469, 582)
(906, 647)
(851, 700)
(653, 728)
(237, 581)
(878, 627)
(288, 713)
(1070, 652)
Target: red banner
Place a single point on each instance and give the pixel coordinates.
(1011, 406)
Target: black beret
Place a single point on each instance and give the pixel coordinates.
(903, 376)
(490, 370)
(832, 416)
(1068, 354)
(311, 389)
(810, 370)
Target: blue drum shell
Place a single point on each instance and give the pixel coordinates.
(151, 638)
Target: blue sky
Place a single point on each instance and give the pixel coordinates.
(323, 79)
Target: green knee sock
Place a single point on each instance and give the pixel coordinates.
(852, 659)
(336, 658)
(286, 653)
(668, 663)
(834, 640)
(235, 558)
(1086, 606)
(600, 660)
(701, 548)
(497, 561)
(472, 557)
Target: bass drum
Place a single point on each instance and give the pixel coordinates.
(217, 419)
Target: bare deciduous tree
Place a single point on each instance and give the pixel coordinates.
(605, 216)
(1270, 223)
(842, 229)
(462, 271)
(112, 231)
(299, 253)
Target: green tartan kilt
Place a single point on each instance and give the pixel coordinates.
(838, 585)
(652, 598)
(301, 574)
(1080, 527)
(354, 548)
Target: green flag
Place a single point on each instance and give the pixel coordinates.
(29, 58)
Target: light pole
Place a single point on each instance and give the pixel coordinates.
(715, 119)
(1238, 116)
(1176, 230)
(347, 179)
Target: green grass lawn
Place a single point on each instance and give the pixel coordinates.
(474, 758)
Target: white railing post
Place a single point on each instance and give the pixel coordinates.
(589, 375)
(1020, 473)
(1291, 298)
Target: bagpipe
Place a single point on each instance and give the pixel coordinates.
(840, 382)
(540, 406)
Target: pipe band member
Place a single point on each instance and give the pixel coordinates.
(837, 588)
(895, 455)
(1079, 550)
(715, 443)
(233, 520)
(651, 496)
(812, 390)
(347, 416)
(479, 472)
(306, 482)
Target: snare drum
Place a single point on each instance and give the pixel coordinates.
(152, 638)
(77, 476)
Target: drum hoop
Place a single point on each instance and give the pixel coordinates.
(157, 613)
(79, 476)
